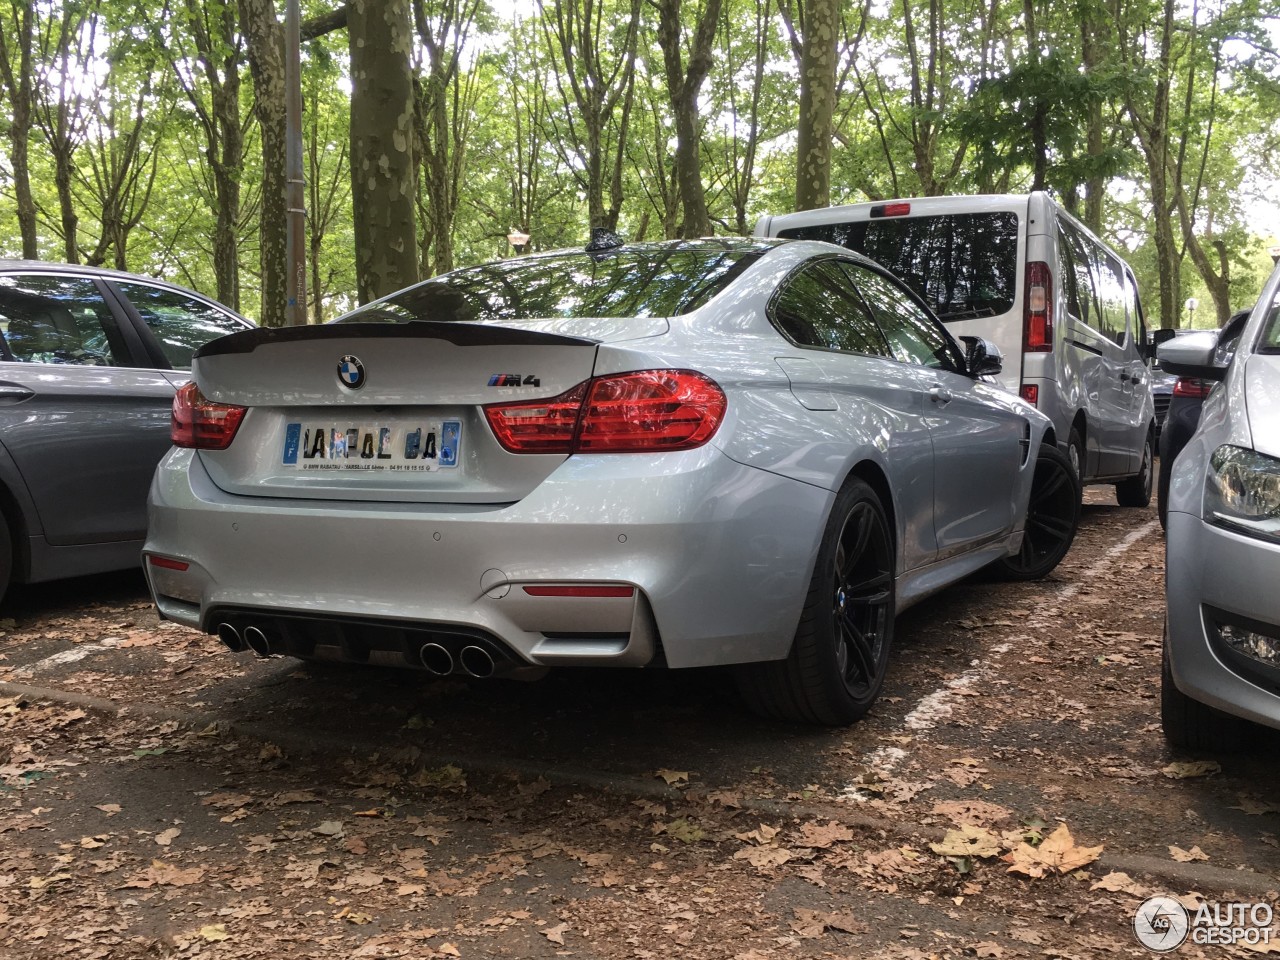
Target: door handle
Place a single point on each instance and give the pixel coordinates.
(12, 393)
(939, 394)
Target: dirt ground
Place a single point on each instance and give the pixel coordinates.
(162, 798)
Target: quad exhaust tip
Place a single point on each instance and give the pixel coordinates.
(437, 659)
(230, 637)
(476, 661)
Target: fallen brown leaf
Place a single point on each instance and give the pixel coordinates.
(1057, 854)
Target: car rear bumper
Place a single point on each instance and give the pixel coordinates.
(1215, 577)
(719, 555)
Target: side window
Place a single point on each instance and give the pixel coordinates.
(1111, 308)
(819, 308)
(1137, 322)
(182, 324)
(1084, 304)
(46, 318)
(914, 336)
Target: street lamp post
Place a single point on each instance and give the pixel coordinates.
(518, 239)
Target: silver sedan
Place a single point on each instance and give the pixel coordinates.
(677, 454)
(1222, 632)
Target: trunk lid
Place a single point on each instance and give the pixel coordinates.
(389, 411)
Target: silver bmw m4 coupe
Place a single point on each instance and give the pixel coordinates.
(747, 452)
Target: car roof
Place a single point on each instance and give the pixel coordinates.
(9, 265)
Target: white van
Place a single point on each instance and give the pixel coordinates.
(1060, 304)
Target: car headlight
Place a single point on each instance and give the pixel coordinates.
(1242, 491)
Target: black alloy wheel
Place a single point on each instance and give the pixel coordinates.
(841, 649)
(861, 605)
(1052, 517)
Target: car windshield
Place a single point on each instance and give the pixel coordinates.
(964, 265)
(642, 281)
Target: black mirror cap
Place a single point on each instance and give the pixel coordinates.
(982, 358)
(1199, 371)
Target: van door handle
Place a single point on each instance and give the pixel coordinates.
(13, 393)
(939, 394)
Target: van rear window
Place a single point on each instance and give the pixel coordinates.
(964, 265)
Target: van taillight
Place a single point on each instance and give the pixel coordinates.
(648, 411)
(1191, 387)
(1031, 393)
(199, 422)
(891, 210)
(1037, 309)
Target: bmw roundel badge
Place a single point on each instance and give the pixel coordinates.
(351, 372)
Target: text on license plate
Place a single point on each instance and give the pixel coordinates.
(394, 447)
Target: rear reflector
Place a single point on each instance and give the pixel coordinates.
(201, 423)
(167, 563)
(1191, 387)
(1031, 393)
(580, 591)
(891, 210)
(1037, 308)
(648, 411)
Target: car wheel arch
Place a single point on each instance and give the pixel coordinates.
(15, 521)
(874, 476)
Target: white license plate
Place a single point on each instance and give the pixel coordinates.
(393, 447)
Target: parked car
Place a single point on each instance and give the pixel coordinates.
(1222, 628)
(89, 362)
(1183, 414)
(1023, 273)
(682, 454)
(1162, 385)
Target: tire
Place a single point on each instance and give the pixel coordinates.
(840, 653)
(1135, 491)
(1053, 514)
(1162, 492)
(6, 557)
(1075, 451)
(1191, 725)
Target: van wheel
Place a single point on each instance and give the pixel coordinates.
(1075, 452)
(841, 649)
(1191, 725)
(1052, 516)
(1135, 491)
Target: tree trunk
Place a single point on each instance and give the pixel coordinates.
(817, 104)
(1092, 48)
(17, 86)
(266, 62)
(683, 87)
(383, 175)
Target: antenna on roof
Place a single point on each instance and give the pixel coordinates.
(602, 238)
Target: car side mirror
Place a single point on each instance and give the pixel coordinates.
(1192, 356)
(982, 358)
(1148, 350)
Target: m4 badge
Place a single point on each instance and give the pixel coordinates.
(513, 380)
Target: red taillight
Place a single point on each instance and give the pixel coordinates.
(580, 591)
(891, 210)
(1191, 387)
(1037, 308)
(644, 412)
(1030, 393)
(544, 426)
(201, 423)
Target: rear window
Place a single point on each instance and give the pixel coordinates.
(963, 265)
(658, 281)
